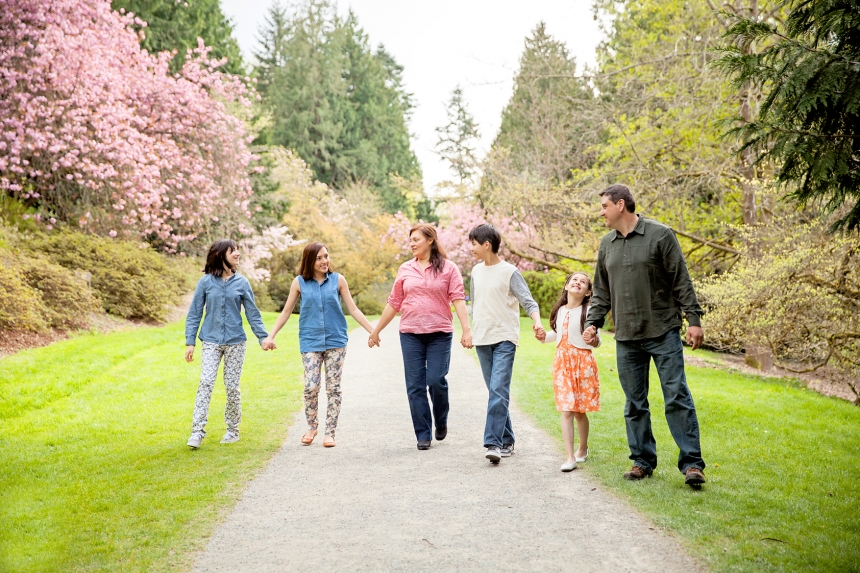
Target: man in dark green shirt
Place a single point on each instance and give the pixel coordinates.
(642, 277)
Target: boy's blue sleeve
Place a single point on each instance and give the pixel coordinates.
(195, 313)
(520, 289)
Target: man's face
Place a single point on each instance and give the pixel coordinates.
(611, 212)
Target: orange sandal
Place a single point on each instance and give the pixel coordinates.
(309, 436)
(328, 442)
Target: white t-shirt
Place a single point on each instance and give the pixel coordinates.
(497, 293)
(574, 332)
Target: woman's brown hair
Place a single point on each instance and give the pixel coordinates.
(216, 259)
(437, 252)
(309, 259)
(562, 300)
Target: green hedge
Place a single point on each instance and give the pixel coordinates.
(545, 288)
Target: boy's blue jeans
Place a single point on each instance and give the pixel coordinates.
(497, 365)
(634, 362)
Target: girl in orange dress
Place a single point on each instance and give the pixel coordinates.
(574, 371)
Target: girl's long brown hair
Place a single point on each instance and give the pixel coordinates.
(309, 259)
(216, 259)
(437, 252)
(562, 300)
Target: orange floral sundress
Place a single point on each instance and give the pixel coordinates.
(574, 376)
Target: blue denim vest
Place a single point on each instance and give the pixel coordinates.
(322, 325)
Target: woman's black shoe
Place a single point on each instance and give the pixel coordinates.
(423, 444)
(441, 432)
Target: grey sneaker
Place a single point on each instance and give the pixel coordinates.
(230, 438)
(494, 454)
(507, 450)
(194, 441)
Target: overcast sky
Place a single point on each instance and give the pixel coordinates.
(474, 43)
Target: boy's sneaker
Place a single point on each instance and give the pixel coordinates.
(230, 438)
(507, 450)
(494, 454)
(195, 440)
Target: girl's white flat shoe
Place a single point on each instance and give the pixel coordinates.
(568, 466)
(582, 459)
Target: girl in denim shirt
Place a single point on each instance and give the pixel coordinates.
(223, 294)
(322, 334)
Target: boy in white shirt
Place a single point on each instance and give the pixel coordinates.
(497, 290)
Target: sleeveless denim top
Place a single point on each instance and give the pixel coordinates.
(322, 325)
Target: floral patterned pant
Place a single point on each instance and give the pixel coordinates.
(234, 358)
(313, 363)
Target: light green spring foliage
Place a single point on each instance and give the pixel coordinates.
(768, 507)
(341, 106)
(796, 293)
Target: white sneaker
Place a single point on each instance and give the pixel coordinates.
(230, 438)
(194, 440)
(568, 466)
(494, 454)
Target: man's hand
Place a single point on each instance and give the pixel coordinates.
(539, 331)
(695, 336)
(189, 353)
(466, 340)
(589, 335)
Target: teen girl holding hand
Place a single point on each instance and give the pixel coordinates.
(223, 293)
(322, 334)
(574, 371)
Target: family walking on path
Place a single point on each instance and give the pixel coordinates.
(641, 277)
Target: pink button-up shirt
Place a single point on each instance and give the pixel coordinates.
(423, 298)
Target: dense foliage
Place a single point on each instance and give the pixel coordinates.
(341, 106)
(808, 123)
(96, 132)
(176, 25)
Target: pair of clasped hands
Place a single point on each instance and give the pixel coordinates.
(465, 340)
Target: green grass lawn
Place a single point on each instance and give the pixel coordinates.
(783, 464)
(95, 474)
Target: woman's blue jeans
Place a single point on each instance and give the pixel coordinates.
(426, 358)
(634, 363)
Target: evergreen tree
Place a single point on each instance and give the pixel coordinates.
(173, 25)
(542, 126)
(341, 106)
(808, 123)
(458, 138)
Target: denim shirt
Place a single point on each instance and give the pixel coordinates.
(223, 300)
(322, 325)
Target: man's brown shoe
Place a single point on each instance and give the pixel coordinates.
(694, 477)
(637, 473)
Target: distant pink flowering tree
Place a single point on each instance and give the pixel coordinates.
(95, 131)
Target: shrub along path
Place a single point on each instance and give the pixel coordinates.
(376, 503)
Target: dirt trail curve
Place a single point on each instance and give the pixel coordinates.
(376, 503)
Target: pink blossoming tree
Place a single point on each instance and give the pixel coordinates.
(95, 131)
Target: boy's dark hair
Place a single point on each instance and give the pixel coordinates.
(486, 232)
(216, 259)
(618, 192)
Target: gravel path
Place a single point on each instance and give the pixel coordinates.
(376, 503)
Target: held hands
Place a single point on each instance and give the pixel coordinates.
(373, 340)
(539, 331)
(589, 335)
(466, 340)
(268, 344)
(695, 336)
(189, 353)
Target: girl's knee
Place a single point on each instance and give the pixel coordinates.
(567, 415)
(580, 416)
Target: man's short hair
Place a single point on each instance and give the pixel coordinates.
(617, 192)
(486, 232)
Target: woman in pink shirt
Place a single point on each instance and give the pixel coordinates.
(423, 292)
